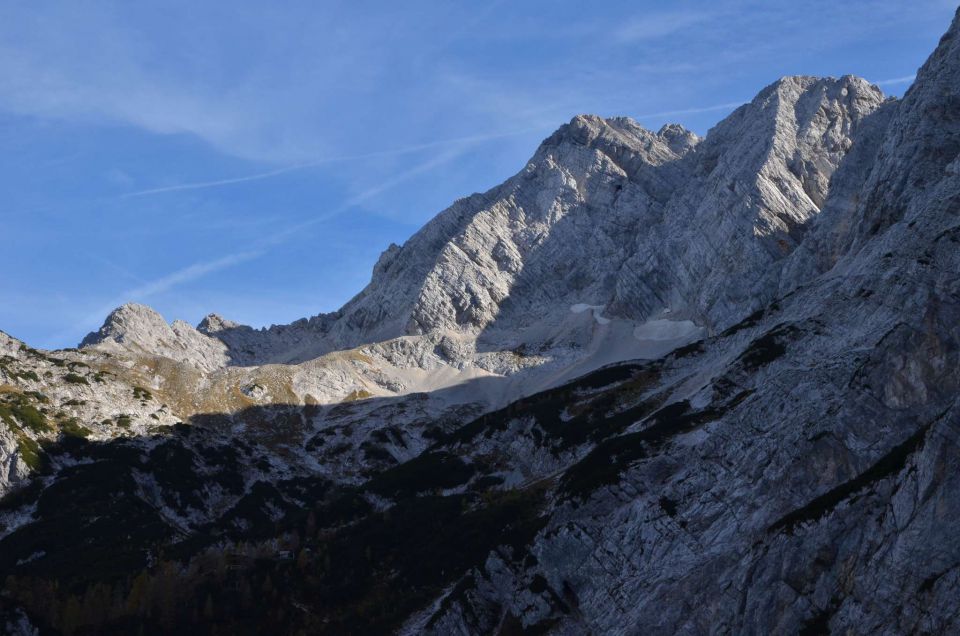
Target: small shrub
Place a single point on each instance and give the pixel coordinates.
(72, 428)
(29, 451)
(24, 413)
(100, 375)
(427, 472)
(27, 375)
(73, 378)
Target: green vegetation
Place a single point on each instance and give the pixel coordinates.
(17, 412)
(571, 415)
(124, 421)
(29, 451)
(17, 408)
(73, 378)
(27, 375)
(39, 397)
(768, 347)
(752, 320)
(110, 563)
(71, 427)
(692, 349)
(602, 466)
(100, 375)
(141, 393)
(7, 366)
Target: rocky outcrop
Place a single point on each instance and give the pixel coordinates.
(140, 329)
(760, 177)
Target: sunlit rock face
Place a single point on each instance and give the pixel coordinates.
(642, 226)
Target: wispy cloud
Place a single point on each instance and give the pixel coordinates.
(693, 111)
(456, 141)
(653, 26)
(123, 271)
(200, 185)
(157, 286)
(364, 195)
(189, 274)
(897, 81)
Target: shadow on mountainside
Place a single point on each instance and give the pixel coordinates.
(205, 530)
(197, 530)
(202, 529)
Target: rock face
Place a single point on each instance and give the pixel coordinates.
(139, 328)
(607, 214)
(794, 469)
(800, 476)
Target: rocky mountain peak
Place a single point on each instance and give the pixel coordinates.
(9, 345)
(606, 213)
(138, 328)
(215, 323)
(386, 258)
(614, 136)
(923, 142)
(130, 323)
(678, 139)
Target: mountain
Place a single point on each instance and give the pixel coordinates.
(651, 384)
(610, 230)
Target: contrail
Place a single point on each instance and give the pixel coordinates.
(203, 268)
(213, 184)
(906, 79)
(190, 273)
(360, 197)
(456, 141)
(157, 286)
(693, 111)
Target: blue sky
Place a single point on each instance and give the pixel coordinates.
(254, 159)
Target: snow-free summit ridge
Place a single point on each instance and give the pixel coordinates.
(649, 226)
